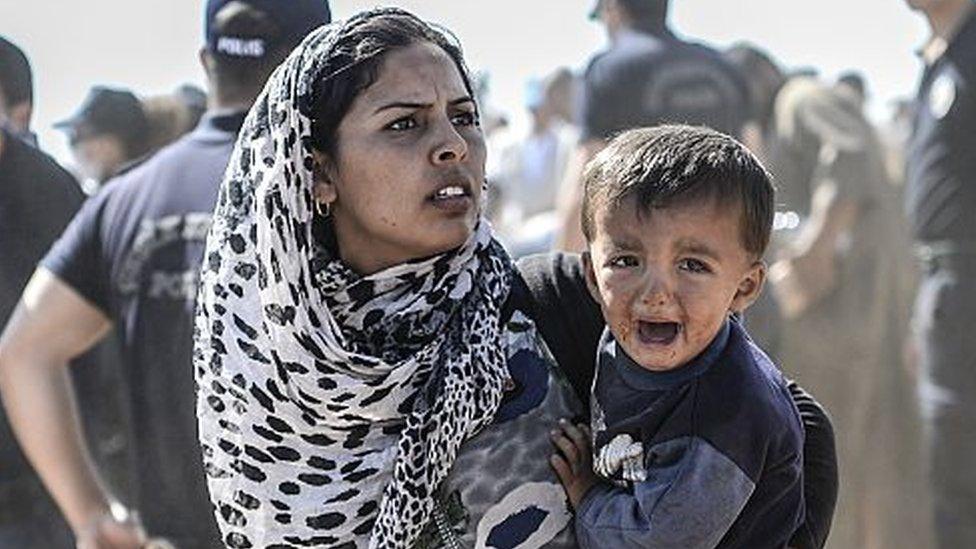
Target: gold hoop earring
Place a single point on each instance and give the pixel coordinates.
(324, 209)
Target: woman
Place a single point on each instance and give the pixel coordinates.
(357, 321)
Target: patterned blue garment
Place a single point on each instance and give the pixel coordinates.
(706, 455)
(502, 493)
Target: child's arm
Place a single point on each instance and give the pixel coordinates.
(692, 495)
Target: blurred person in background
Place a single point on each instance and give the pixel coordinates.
(562, 90)
(895, 134)
(172, 115)
(107, 133)
(16, 92)
(131, 257)
(854, 82)
(839, 284)
(941, 204)
(764, 80)
(529, 169)
(647, 76)
(37, 200)
(194, 98)
(493, 120)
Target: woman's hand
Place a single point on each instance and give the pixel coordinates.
(112, 530)
(574, 460)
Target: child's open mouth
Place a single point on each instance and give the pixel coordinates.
(658, 333)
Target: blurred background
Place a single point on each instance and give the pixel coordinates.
(833, 125)
(149, 45)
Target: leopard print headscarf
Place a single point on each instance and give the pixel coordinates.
(331, 406)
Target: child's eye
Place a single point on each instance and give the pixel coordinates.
(622, 262)
(402, 124)
(693, 266)
(469, 118)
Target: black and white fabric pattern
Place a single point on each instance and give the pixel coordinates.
(331, 406)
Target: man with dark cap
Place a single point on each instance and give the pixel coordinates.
(16, 92)
(941, 204)
(109, 131)
(647, 77)
(131, 256)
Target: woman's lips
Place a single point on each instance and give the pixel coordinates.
(658, 333)
(452, 199)
(453, 204)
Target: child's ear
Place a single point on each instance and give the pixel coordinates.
(750, 286)
(590, 275)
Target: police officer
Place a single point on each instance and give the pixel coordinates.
(16, 92)
(131, 257)
(37, 200)
(941, 205)
(648, 76)
(109, 131)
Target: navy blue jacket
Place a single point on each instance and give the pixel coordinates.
(705, 455)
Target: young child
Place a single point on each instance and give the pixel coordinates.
(694, 434)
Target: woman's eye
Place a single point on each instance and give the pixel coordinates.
(622, 262)
(466, 119)
(401, 124)
(694, 266)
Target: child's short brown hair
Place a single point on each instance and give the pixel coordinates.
(668, 165)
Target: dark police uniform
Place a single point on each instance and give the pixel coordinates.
(941, 205)
(37, 200)
(134, 252)
(645, 80)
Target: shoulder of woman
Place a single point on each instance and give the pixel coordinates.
(555, 272)
(564, 312)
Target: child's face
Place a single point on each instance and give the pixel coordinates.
(667, 279)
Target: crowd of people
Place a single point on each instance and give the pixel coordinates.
(329, 302)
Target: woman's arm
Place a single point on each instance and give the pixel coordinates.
(819, 471)
(565, 314)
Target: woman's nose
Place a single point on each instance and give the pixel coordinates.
(449, 146)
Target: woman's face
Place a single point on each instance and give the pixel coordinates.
(406, 178)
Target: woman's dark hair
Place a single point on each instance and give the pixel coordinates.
(355, 59)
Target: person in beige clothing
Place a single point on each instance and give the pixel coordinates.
(839, 278)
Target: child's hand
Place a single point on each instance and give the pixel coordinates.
(574, 460)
